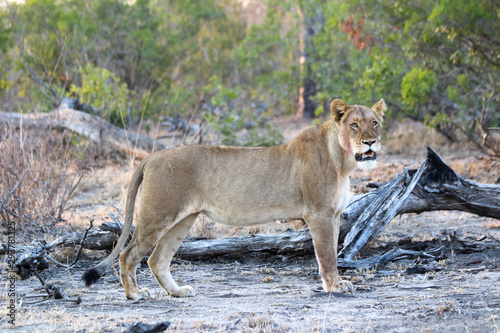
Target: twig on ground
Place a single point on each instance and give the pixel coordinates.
(119, 211)
(488, 287)
(78, 253)
(53, 293)
(77, 300)
(116, 220)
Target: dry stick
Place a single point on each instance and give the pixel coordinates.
(77, 301)
(57, 263)
(117, 221)
(57, 293)
(198, 132)
(191, 116)
(53, 292)
(15, 187)
(481, 293)
(394, 254)
(82, 242)
(78, 253)
(119, 212)
(493, 165)
(39, 278)
(486, 289)
(136, 304)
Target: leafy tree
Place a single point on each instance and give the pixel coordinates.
(436, 61)
(155, 48)
(448, 56)
(236, 125)
(268, 58)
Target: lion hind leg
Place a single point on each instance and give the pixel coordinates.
(160, 260)
(142, 241)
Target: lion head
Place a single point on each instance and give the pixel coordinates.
(360, 130)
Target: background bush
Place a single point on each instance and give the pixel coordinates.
(433, 61)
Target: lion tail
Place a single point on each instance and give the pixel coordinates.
(92, 275)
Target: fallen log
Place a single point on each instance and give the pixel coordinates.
(92, 127)
(439, 188)
(106, 237)
(97, 239)
(29, 259)
(380, 212)
(290, 242)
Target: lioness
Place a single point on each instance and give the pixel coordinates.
(307, 178)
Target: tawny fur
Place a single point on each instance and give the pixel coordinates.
(307, 178)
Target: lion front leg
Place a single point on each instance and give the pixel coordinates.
(325, 233)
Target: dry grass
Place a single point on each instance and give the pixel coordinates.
(40, 171)
(492, 224)
(59, 316)
(262, 323)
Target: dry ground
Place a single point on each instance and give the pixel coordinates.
(460, 292)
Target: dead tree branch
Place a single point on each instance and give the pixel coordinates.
(380, 212)
(89, 126)
(78, 253)
(439, 188)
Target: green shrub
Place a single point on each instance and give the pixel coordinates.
(104, 93)
(228, 126)
(417, 86)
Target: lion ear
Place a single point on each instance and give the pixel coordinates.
(338, 108)
(379, 108)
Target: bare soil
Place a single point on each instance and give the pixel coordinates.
(456, 291)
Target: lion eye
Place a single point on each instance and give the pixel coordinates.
(374, 123)
(354, 126)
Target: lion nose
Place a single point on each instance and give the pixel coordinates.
(369, 142)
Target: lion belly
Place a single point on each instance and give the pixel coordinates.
(251, 216)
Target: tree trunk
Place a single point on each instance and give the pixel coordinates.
(377, 214)
(312, 20)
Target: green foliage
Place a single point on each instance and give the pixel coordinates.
(267, 58)
(221, 96)
(417, 86)
(437, 121)
(446, 47)
(166, 53)
(226, 125)
(102, 90)
(163, 51)
(265, 136)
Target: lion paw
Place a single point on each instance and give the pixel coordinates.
(138, 295)
(185, 291)
(342, 287)
(145, 293)
(346, 287)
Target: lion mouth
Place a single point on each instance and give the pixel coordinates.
(367, 156)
